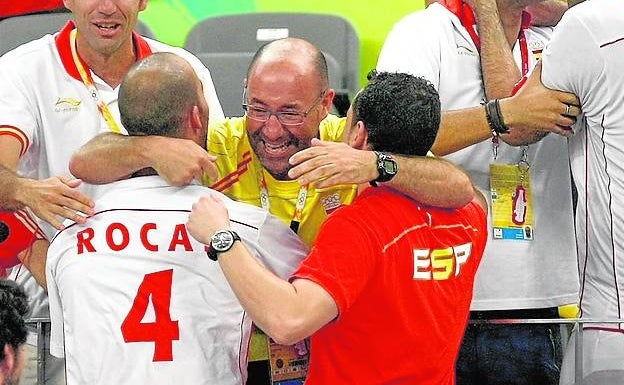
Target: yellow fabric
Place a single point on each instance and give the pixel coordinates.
(569, 311)
(238, 178)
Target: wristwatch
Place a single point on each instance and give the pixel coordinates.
(221, 241)
(387, 168)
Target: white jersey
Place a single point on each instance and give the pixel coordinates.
(513, 274)
(138, 301)
(45, 105)
(586, 57)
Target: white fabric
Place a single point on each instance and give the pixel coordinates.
(513, 274)
(603, 352)
(34, 85)
(586, 57)
(91, 293)
(35, 88)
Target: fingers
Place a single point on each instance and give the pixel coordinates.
(316, 149)
(208, 215)
(208, 167)
(55, 199)
(313, 169)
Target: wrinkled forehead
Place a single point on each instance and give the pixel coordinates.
(282, 83)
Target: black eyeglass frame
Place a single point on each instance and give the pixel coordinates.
(301, 116)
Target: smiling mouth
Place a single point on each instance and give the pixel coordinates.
(107, 27)
(276, 149)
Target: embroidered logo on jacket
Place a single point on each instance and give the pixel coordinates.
(67, 105)
(331, 202)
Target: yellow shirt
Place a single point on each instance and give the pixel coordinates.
(240, 175)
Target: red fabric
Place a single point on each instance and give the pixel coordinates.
(399, 321)
(17, 232)
(10, 8)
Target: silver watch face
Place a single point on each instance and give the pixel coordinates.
(222, 241)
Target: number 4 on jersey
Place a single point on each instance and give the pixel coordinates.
(163, 330)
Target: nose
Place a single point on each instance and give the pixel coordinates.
(272, 128)
(106, 7)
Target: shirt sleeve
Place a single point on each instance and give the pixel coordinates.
(17, 107)
(280, 249)
(341, 261)
(572, 60)
(411, 48)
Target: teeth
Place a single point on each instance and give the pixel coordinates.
(273, 148)
(110, 26)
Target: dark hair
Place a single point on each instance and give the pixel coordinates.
(401, 112)
(13, 308)
(156, 94)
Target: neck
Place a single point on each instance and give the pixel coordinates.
(511, 17)
(110, 67)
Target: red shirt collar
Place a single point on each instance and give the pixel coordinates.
(64, 49)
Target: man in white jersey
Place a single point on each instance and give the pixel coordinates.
(528, 267)
(48, 110)
(586, 56)
(164, 311)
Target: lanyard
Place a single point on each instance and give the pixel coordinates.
(301, 200)
(88, 82)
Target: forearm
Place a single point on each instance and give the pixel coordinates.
(35, 261)
(432, 181)
(460, 129)
(272, 303)
(498, 67)
(9, 190)
(109, 157)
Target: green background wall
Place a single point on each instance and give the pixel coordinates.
(171, 20)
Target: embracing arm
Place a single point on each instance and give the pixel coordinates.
(534, 111)
(288, 312)
(431, 181)
(51, 199)
(109, 157)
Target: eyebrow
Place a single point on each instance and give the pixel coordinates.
(289, 106)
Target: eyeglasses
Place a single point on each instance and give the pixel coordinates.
(287, 118)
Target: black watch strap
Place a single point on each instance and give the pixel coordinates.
(224, 244)
(386, 167)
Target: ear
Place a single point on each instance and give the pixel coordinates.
(195, 118)
(359, 137)
(8, 363)
(328, 99)
(142, 5)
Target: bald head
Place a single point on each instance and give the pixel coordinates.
(296, 54)
(158, 94)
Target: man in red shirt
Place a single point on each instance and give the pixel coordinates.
(386, 289)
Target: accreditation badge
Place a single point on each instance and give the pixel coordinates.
(289, 364)
(512, 206)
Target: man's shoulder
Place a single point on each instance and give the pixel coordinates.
(331, 128)
(30, 54)
(431, 16)
(227, 129)
(158, 46)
